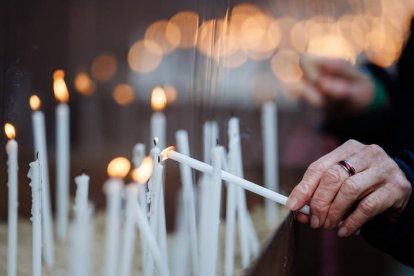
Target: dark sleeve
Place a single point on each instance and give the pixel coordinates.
(396, 238)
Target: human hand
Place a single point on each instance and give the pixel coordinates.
(377, 186)
(333, 81)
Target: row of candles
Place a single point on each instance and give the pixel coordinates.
(144, 197)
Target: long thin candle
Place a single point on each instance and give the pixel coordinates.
(80, 254)
(145, 230)
(40, 149)
(270, 158)
(231, 178)
(112, 189)
(35, 176)
(12, 168)
(62, 169)
(128, 235)
(188, 194)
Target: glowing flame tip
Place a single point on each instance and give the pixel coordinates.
(144, 171)
(10, 131)
(35, 102)
(164, 153)
(119, 167)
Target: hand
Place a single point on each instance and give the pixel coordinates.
(378, 186)
(333, 81)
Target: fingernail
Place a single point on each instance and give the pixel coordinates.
(291, 203)
(327, 224)
(342, 232)
(314, 221)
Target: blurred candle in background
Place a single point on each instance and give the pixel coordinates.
(40, 151)
(62, 154)
(12, 183)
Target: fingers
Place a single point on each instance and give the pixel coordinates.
(305, 189)
(337, 191)
(353, 188)
(372, 205)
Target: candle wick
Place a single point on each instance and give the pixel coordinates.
(217, 142)
(155, 141)
(159, 159)
(37, 155)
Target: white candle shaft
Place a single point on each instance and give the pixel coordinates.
(35, 176)
(215, 212)
(80, 239)
(12, 183)
(158, 129)
(128, 235)
(245, 184)
(112, 189)
(188, 197)
(138, 154)
(145, 230)
(62, 169)
(270, 157)
(40, 146)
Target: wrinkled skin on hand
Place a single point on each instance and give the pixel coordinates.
(337, 199)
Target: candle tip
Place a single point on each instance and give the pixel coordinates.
(10, 131)
(164, 153)
(155, 141)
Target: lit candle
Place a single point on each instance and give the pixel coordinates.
(270, 158)
(118, 168)
(158, 120)
(36, 184)
(169, 153)
(40, 149)
(181, 137)
(62, 154)
(12, 183)
(140, 176)
(80, 254)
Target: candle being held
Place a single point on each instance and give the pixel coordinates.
(170, 153)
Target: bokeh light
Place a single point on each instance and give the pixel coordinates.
(187, 23)
(286, 67)
(164, 33)
(84, 84)
(104, 67)
(144, 57)
(123, 94)
(170, 93)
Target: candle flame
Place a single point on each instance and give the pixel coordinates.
(35, 102)
(144, 171)
(10, 131)
(158, 99)
(164, 153)
(118, 167)
(59, 86)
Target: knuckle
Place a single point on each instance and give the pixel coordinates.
(375, 150)
(318, 205)
(368, 207)
(353, 223)
(332, 175)
(352, 143)
(315, 168)
(351, 188)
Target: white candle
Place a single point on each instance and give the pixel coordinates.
(231, 178)
(128, 235)
(145, 231)
(213, 237)
(35, 176)
(118, 168)
(80, 241)
(235, 167)
(138, 154)
(181, 137)
(270, 158)
(62, 154)
(158, 126)
(12, 183)
(40, 149)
